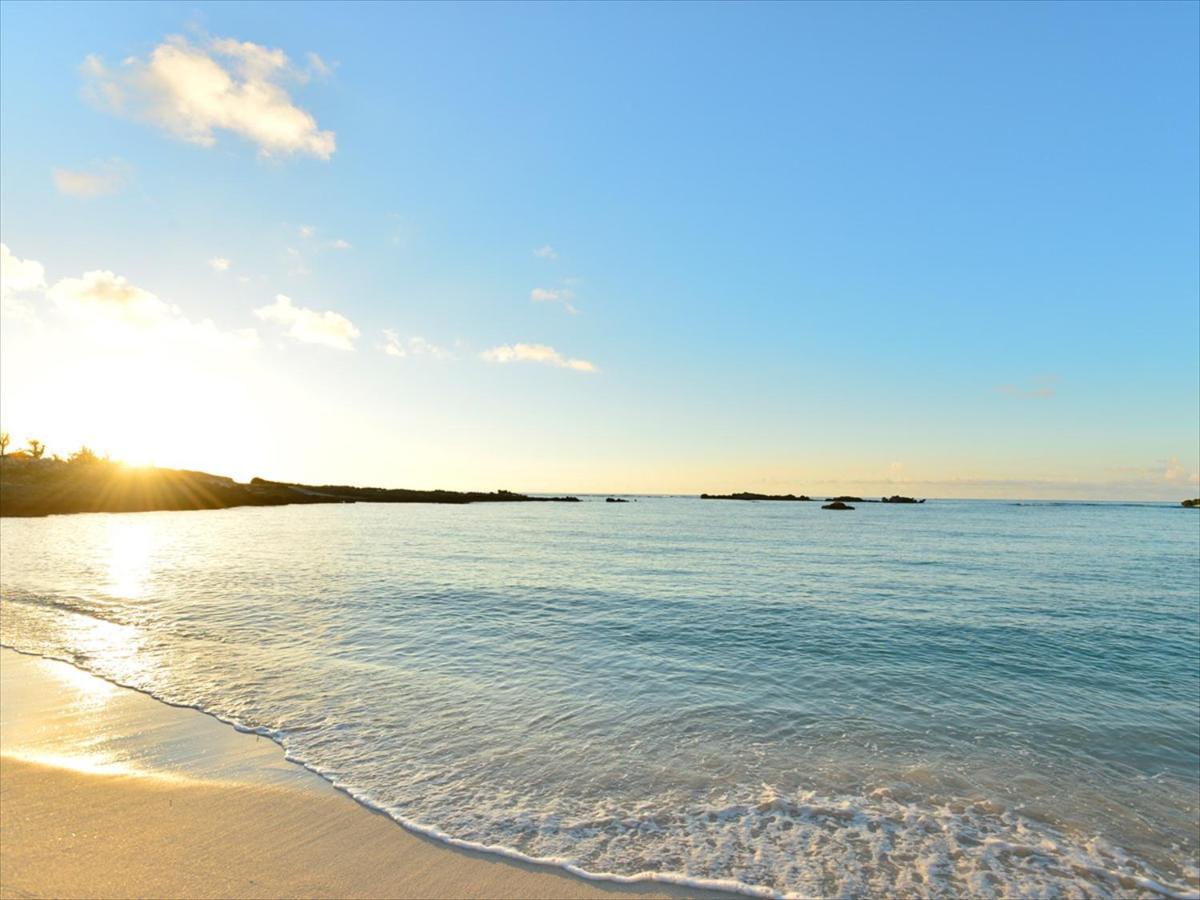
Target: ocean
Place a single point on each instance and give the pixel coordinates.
(958, 698)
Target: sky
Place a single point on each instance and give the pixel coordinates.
(946, 250)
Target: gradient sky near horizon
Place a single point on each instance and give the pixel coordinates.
(944, 249)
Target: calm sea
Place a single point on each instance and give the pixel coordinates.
(959, 698)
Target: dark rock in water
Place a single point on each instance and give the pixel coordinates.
(1191, 504)
(845, 500)
(836, 504)
(615, 500)
(896, 498)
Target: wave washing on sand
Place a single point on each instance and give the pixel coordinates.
(813, 846)
(803, 845)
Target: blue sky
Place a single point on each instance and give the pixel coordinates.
(941, 249)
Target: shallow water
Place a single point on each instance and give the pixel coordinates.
(976, 698)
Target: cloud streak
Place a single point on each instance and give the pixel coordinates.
(555, 295)
(97, 182)
(1043, 386)
(395, 345)
(535, 353)
(191, 92)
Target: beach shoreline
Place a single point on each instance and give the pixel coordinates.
(107, 792)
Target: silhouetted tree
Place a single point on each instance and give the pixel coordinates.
(4, 442)
(84, 455)
(36, 448)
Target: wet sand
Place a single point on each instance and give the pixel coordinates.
(105, 792)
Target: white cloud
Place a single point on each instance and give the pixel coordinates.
(306, 231)
(101, 297)
(394, 345)
(546, 252)
(220, 263)
(340, 244)
(107, 178)
(18, 276)
(307, 325)
(191, 91)
(555, 295)
(101, 294)
(536, 353)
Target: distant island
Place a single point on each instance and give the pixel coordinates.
(1191, 504)
(748, 496)
(744, 495)
(33, 486)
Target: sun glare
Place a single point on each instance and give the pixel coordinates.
(131, 547)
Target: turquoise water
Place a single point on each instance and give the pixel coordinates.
(963, 697)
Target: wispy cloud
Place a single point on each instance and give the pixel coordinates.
(309, 326)
(1176, 473)
(395, 345)
(102, 179)
(306, 231)
(1041, 386)
(535, 353)
(555, 295)
(220, 263)
(192, 91)
(297, 265)
(546, 252)
(319, 67)
(340, 244)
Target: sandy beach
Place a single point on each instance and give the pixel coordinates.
(106, 792)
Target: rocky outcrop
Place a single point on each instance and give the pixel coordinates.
(836, 504)
(744, 495)
(43, 487)
(345, 492)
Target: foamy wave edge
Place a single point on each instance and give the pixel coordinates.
(430, 831)
(1171, 892)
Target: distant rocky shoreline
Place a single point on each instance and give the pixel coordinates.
(43, 487)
